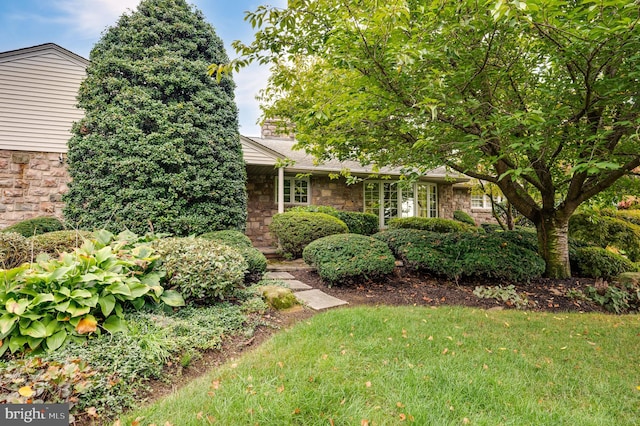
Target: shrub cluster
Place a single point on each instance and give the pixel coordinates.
(14, 250)
(464, 217)
(433, 224)
(35, 226)
(357, 222)
(597, 262)
(606, 231)
(622, 295)
(294, 230)
(56, 242)
(346, 257)
(45, 304)
(256, 262)
(464, 255)
(201, 270)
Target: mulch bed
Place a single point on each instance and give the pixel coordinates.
(408, 288)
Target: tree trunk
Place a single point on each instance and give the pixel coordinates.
(553, 246)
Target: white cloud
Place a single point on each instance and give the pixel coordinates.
(90, 18)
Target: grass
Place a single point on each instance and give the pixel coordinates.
(423, 366)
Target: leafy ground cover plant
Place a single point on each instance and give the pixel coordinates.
(35, 226)
(54, 301)
(342, 258)
(109, 373)
(294, 230)
(507, 295)
(203, 271)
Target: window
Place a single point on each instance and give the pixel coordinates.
(389, 199)
(483, 201)
(296, 191)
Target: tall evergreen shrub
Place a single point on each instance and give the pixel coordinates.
(159, 145)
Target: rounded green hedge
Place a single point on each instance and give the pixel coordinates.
(349, 257)
(35, 226)
(458, 255)
(201, 270)
(57, 242)
(433, 224)
(357, 222)
(596, 262)
(294, 230)
(464, 217)
(230, 236)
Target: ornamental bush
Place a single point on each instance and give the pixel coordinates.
(158, 148)
(256, 261)
(35, 226)
(203, 271)
(343, 258)
(605, 231)
(54, 243)
(294, 230)
(433, 224)
(14, 250)
(357, 222)
(596, 262)
(464, 255)
(464, 217)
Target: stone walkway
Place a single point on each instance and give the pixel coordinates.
(313, 298)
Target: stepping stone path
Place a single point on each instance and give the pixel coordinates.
(314, 298)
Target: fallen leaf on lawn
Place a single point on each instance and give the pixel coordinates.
(399, 404)
(331, 422)
(167, 424)
(117, 423)
(638, 387)
(485, 367)
(466, 421)
(215, 384)
(444, 352)
(296, 411)
(368, 384)
(430, 338)
(91, 411)
(281, 389)
(325, 356)
(199, 415)
(234, 365)
(26, 391)
(364, 422)
(403, 417)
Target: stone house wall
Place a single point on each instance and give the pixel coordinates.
(31, 185)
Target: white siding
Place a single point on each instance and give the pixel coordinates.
(255, 155)
(38, 89)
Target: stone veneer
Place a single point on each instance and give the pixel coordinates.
(31, 185)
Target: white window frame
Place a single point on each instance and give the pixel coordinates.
(291, 195)
(402, 207)
(486, 201)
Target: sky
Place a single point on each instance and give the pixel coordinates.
(77, 25)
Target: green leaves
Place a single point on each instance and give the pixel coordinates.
(47, 303)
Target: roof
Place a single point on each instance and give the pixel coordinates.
(28, 51)
(267, 152)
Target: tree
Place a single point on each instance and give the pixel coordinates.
(539, 97)
(159, 145)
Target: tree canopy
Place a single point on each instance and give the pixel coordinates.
(539, 97)
(159, 145)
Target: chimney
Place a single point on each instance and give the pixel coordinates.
(275, 128)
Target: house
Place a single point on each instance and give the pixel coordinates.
(38, 87)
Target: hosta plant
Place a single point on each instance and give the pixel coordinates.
(52, 301)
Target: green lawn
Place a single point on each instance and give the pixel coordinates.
(444, 366)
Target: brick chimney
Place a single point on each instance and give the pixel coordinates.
(274, 128)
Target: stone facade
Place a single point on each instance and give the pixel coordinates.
(275, 129)
(31, 185)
